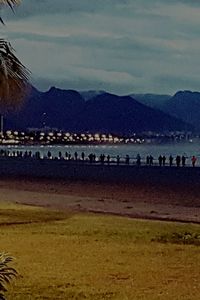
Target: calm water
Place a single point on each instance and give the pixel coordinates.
(187, 149)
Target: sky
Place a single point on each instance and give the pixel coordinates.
(120, 46)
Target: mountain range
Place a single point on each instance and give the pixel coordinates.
(184, 105)
(99, 111)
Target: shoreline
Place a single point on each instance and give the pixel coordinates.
(104, 173)
(126, 200)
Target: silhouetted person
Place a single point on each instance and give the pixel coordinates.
(83, 156)
(194, 159)
(108, 158)
(183, 159)
(147, 160)
(127, 159)
(90, 156)
(171, 160)
(160, 159)
(151, 160)
(178, 160)
(118, 159)
(102, 158)
(163, 160)
(37, 155)
(49, 154)
(138, 160)
(76, 155)
(66, 155)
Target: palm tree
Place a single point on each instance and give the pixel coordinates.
(13, 82)
(6, 273)
(13, 74)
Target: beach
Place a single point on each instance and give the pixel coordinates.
(86, 239)
(143, 201)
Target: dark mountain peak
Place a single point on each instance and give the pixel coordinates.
(60, 96)
(185, 105)
(186, 94)
(106, 112)
(123, 114)
(188, 100)
(61, 92)
(52, 89)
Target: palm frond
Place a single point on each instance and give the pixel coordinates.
(11, 3)
(13, 74)
(6, 273)
(13, 78)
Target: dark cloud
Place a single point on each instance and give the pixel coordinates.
(116, 45)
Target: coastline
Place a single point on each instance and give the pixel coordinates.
(141, 201)
(104, 173)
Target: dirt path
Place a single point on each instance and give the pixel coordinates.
(163, 203)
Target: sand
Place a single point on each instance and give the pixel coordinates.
(172, 203)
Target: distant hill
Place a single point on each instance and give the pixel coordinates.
(152, 100)
(56, 108)
(123, 114)
(67, 110)
(185, 105)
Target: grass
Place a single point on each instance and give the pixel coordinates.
(87, 256)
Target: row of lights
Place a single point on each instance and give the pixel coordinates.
(66, 137)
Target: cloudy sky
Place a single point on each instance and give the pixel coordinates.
(121, 46)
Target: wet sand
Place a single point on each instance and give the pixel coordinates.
(172, 203)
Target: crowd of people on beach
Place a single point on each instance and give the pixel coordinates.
(178, 160)
(92, 158)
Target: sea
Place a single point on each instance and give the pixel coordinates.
(187, 149)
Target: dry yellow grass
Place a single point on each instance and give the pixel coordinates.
(85, 256)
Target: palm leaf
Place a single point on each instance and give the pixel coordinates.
(6, 273)
(9, 2)
(13, 74)
(13, 78)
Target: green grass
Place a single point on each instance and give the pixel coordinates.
(87, 256)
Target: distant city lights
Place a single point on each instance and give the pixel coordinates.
(36, 136)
